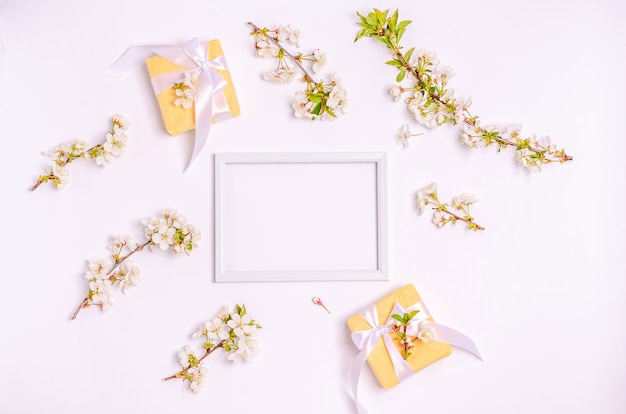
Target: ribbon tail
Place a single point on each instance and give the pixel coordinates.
(204, 116)
(455, 338)
(136, 55)
(353, 379)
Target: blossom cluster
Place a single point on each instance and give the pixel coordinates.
(186, 90)
(64, 154)
(168, 231)
(432, 103)
(319, 100)
(400, 327)
(171, 231)
(234, 332)
(442, 214)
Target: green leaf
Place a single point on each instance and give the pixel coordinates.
(396, 63)
(401, 76)
(393, 21)
(413, 313)
(381, 16)
(330, 112)
(362, 18)
(317, 108)
(403, 24)
(385, 40)
(315, 97)
(401, 29)
(365, 32)
(408, 54)
(397, 317)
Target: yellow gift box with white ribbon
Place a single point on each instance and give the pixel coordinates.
(423, 353)
(177, 118)
(397, 336)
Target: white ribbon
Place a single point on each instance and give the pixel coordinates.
(366, 340)
(210, 102)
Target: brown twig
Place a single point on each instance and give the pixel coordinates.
(406, 342)
(468, 221)
(40, 181)
(85, 303)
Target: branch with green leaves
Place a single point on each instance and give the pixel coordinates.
(433, 104)
(319, 100)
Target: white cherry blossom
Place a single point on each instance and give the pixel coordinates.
(183, 356)
(319, 60)
(290, 34)
(266, 49)
(396, 92)
(425, 332)
(403, 135)
(131, 276)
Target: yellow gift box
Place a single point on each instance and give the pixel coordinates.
(176, 118)
(423, 353)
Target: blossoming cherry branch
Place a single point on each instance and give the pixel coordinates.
(319, 100)
(234, 332)
(433, 104)
(443, 215)
(171, 231)
(64, 154)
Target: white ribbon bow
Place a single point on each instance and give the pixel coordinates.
(210, 101)
(366, 340)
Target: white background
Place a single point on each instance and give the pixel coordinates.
(541, 291)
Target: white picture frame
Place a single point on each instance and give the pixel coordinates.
(300, 217)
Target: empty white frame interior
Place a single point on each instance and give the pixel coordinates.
(300, 217)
